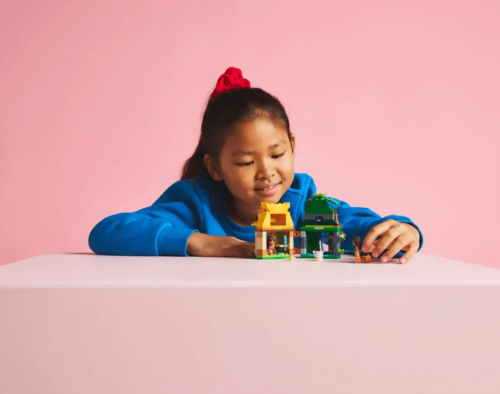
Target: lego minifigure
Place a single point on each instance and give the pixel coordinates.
(271, 248)
(358, 254)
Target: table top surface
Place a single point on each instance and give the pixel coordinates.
(92, 271)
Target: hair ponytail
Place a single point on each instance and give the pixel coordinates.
(195, 165)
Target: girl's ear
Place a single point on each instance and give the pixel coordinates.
(292, 142)
(212, 167)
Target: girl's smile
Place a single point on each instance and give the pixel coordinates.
(269, 190)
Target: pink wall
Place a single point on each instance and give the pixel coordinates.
(95, 94)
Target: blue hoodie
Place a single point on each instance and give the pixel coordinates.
(199, 205)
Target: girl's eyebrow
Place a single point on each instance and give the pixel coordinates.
(241, 153)
(248, 152)
(277, 144)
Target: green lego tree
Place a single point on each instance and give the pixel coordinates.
(318, 204)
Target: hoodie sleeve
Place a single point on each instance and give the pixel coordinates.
(358, 221)
(161, 229)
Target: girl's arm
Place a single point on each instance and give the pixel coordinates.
(171, 226)
(161, 229)
(359, 221)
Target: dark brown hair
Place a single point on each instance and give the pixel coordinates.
(356, 240)
(224, 111)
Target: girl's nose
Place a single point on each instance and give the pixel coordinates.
(266, 171)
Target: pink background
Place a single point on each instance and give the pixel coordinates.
(401, 97)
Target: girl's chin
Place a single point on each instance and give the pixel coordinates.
(274, 199)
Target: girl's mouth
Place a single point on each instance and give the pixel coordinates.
(268, 191)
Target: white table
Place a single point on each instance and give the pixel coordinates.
(79, 323)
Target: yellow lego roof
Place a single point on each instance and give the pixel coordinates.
(274, 215)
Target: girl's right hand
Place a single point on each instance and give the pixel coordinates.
(200, 244)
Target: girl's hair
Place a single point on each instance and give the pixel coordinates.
(222, 113)
(356, 240)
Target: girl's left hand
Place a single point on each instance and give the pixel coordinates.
(394, 236)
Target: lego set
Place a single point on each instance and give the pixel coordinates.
(320, 232)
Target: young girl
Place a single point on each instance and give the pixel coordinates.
(245, 156)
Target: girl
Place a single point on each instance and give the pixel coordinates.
(245, 155)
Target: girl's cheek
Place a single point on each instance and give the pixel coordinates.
(246, 175)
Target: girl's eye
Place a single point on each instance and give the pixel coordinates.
(278, 156)
(244, 164)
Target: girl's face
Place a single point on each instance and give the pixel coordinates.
(256, 163)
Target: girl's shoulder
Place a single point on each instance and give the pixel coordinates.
(191, 188)
(301, 189)
(303, 185)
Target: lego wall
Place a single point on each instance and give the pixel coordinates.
(394, 106)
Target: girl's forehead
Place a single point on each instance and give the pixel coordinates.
(258, 132)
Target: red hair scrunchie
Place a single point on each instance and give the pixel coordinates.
(231, 79)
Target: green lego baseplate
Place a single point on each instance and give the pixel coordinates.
(325, 256)
(273, 257)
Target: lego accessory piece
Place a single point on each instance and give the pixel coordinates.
(231, 79)
(318, 255)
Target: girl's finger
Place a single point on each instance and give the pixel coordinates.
(409, 254)
(397, 245)
(375, 232)
(390, 236)
(375, 243)
(390, 245)
(246, 249)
